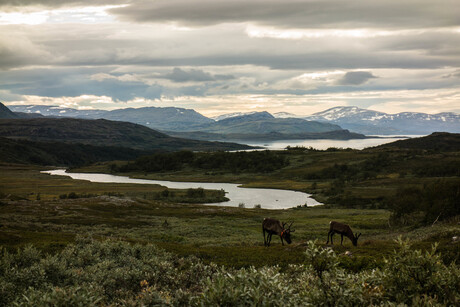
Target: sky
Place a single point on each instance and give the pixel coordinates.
(215, 56)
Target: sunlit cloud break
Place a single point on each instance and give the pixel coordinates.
(90, 14)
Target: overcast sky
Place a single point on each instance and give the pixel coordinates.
(215, 56)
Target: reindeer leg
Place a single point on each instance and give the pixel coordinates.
(282, 240)
(265, 242)
(269, 239)
(341, 242)
(332, 234)
(328, 234)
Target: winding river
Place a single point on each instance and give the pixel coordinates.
(267, 198)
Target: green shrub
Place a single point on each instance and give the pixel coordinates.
(249, 287)
(408, 273)
(90, 272)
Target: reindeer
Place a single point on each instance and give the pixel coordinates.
(342, 229)
(272, 226)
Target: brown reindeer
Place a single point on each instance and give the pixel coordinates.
(272, 226)
(343, 230)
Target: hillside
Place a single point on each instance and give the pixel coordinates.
(330, 135)
(61, 154)
(6, 113)
(103, 133)
(439, 141)
(176, 119)
(265, 123)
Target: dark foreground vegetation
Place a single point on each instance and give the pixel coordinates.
(90, 272)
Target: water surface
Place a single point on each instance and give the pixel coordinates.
(267, 198)
(323, 144)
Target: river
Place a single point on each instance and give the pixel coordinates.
(267, 198)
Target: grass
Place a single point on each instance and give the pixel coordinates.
(26, 182)
(373, 174)
(224, 235)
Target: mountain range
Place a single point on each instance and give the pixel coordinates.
(377, 123)
(187, 123)
(374, 122)
(263, 125)
(169, 118)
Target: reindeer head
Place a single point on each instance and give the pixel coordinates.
(355, 239)
(286, 233)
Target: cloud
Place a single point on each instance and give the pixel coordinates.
(295, 13)
(355, 78)
(164, 49)
(193, 75)
(32, 5)
(74, 82)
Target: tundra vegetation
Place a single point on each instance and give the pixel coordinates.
(69, 242)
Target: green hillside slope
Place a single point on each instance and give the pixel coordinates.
(103, 133)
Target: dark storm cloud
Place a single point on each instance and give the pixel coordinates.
(193, 75)
(356, 78)
(297, 13)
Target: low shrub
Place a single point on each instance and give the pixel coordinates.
(90, 272)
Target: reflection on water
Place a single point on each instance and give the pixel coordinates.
(267, 198)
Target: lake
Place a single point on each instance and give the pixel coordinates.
(323, 144)
(267, 198)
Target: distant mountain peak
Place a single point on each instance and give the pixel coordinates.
(253, 116)
(344, 111)
(229, 115)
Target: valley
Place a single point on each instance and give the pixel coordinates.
(406, 189)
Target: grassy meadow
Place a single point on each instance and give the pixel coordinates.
(34, 212)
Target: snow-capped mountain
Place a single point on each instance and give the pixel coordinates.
(285, 115)
(374, 122)
(55, 111)
(230, 115)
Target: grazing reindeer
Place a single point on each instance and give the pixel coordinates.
(342, 229)
(272, 226)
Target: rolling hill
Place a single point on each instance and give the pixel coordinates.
(103, 133)
(62, 154)
(438, 141)
(6, 113)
